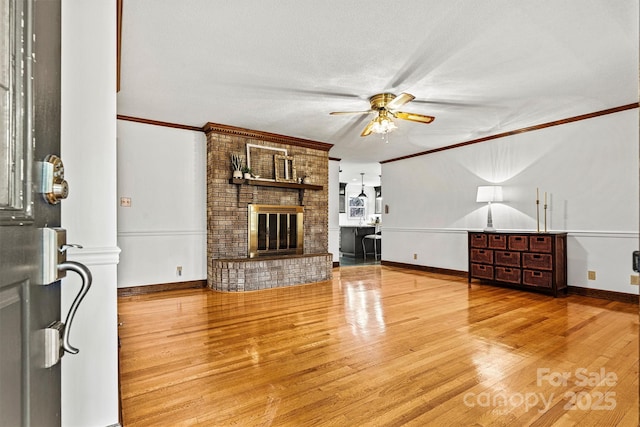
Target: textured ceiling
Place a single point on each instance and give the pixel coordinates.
(481, 67)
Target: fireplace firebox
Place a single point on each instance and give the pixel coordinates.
(275, 230)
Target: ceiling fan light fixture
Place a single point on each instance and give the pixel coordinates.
(386, 105)
(383, 123)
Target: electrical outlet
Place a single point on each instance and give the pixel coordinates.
(125, 202)
(591, 275)
(634, 279)
(415, 256)
(179, 270)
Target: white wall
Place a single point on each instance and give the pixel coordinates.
(88, 149)
(163, 171)
(334, 218)
(589, 170)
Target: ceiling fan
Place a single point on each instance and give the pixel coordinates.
(386, 105)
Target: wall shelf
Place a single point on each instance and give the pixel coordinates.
(261, 183)
(292, 185)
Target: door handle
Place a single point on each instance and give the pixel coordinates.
(54, 267)
(87, 279)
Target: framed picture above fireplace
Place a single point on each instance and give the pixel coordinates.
(260, 160)
(285, 168)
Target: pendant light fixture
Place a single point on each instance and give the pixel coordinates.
(362, 194)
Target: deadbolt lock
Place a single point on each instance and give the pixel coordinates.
(54, 187)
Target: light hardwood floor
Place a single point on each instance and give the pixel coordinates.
(378, 346)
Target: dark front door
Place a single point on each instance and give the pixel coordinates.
(29, 132)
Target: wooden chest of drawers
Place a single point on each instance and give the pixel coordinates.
(526, 260)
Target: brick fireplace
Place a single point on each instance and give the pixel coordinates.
(229, 267)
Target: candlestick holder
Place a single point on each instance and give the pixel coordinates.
(538, 214)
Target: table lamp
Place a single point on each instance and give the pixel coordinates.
(488, 194)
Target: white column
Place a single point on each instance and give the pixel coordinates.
(88, 149)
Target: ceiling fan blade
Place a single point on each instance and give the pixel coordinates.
(399, 101)
(368, 129)
(350, 128)
(341, 113)
(447, 103)
(414, 117)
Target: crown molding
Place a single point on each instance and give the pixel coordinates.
(521, 130)
(265, 136)
(158, 123)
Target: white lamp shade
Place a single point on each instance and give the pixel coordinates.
(489, 193)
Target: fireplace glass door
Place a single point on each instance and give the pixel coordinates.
(275, 230)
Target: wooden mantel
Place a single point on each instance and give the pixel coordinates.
(293, 185)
